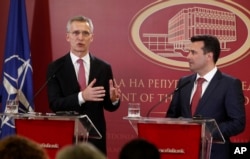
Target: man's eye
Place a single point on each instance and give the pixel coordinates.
(84, 33)
(192, 52)
(76, 32)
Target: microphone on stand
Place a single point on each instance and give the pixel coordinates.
(44, 85)
(47, 81)
(167, 96)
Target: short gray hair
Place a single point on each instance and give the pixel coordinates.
(79, 151)
(80, 19)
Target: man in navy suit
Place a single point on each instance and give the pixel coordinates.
(100, 92)
(221, 99)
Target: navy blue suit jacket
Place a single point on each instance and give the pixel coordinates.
(63, 89)
(223, 100)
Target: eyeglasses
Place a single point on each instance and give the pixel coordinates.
(77, 33)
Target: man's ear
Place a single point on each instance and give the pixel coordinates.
(67, 36)
(92, 38)
(210, 55)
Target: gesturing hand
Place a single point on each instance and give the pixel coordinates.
(115, 91)
(91, 93)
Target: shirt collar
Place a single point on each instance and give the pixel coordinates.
(209, 75)
(74, 58)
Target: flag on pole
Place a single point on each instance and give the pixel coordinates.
(17, 84)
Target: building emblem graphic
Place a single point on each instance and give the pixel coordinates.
(161, 31)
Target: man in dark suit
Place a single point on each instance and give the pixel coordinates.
(221, 98)
(100, 91)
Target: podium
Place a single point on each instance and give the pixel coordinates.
(52, 131)
(179, 138)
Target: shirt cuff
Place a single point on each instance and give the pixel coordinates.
(115, 102)
(80, 98)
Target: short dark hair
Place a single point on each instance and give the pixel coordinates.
(20, 147)
(139, 149)
(211, 44)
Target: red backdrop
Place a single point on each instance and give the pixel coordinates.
(142, 79)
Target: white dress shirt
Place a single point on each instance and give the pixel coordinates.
(208, 77)
(86, 62)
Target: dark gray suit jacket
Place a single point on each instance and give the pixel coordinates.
(63, 89)
(223, 100)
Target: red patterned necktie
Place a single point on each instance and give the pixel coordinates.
(197, 95)
(81, 74)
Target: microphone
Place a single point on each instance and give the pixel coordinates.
(47, 81)
(44, 85)
(38, 92)
(167, 96)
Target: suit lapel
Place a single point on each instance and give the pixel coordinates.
(93, 67)
(210, 89)
(69, 70)
(187, 93)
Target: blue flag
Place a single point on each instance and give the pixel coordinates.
(17, 84)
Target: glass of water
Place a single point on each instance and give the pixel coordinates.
(134, 110)
(12, 106)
